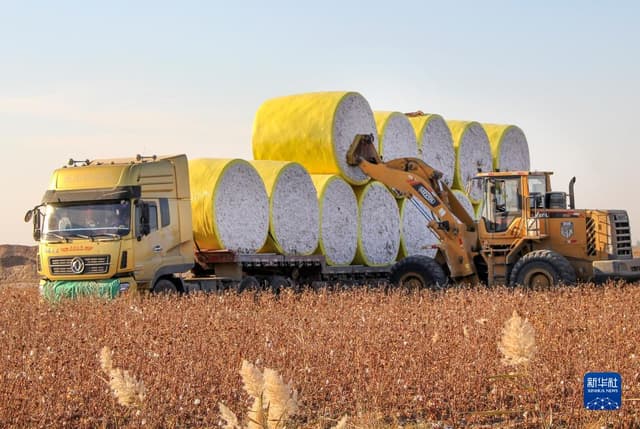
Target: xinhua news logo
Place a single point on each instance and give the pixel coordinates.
(602, 391)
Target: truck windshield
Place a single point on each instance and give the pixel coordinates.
(87, 220)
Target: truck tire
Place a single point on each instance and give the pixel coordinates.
(165, 286)
(248, 283)
(542, 268)
(418, 272)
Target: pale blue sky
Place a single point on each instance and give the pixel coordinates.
(101, 79)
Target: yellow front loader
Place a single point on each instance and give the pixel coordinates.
(526, 234)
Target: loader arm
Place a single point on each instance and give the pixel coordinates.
(414, 179)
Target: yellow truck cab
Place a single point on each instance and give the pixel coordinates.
(110, 225)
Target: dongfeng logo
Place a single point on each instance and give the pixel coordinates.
(77, 265)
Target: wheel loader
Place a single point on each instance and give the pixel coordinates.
(525, 233)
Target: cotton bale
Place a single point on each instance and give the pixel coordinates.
(509, 147)
(293, 208)
(229, 205)
(464, 200)
(378, 225)
(416, 238)
(473, 154)
(435, 143)
(396, 138)
(314, 129)
(338, 219)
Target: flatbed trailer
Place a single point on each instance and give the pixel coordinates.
(217, 270)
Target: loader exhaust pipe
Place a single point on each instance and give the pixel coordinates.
(572, 197)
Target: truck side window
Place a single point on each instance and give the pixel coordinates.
(165, 215)
(153, 218)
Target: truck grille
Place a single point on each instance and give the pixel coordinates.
(620, 235)
(89, 264)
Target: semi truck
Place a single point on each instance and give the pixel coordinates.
(526, 233)
(110, 225)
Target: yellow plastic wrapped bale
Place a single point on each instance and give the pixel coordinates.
(473, 154)
(313, 129)
(396, 138)
(378, 225)
(509, 147)
(229, 205)
(416, 238)
(338, 219)
(435, 144)
(293, 208)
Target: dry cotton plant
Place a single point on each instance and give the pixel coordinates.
(128, 391)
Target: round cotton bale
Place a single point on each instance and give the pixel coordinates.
(435, 144)
(416, 238)
(293, 208)
(509, 147)
(229, 205)
(338, 219)
(473, 154)
(315, 130)
(465, 202)
(396, 138)
(378, 225)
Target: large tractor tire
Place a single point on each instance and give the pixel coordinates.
(542, 269)
(418, 272)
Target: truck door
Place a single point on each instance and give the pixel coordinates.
(148, 246)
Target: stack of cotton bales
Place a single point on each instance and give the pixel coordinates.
(317, 130)
(300, 197)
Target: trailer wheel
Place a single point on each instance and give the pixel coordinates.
(248, 283)
(418, 272)
(277, 283)
(165, 286)
(542, 269)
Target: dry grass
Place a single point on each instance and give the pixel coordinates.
(383, 360)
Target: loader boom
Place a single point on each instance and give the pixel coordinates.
(444, 215)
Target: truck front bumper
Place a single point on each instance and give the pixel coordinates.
(55, 290)
(617, 269)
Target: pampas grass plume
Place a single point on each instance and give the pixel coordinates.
(518, 342)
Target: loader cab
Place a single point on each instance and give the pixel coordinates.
(509, 200)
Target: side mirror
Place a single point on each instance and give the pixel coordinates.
(28, 215)
(37, 217)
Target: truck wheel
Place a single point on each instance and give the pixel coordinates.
(417, 272)
(542, 268)
(277, 283)
(248, 283)
(165, 286)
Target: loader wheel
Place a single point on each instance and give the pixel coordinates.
(248, 283)
(418, 272)
(165, 286)
(542, 269)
